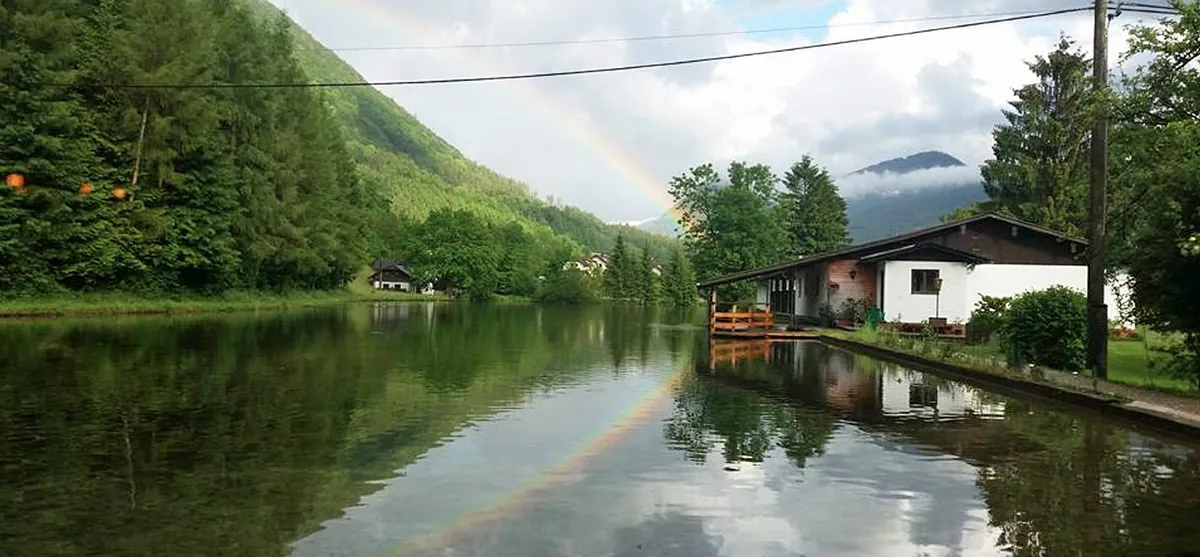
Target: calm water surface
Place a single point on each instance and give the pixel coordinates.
(515, 431)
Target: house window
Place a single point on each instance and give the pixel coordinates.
(924, 281)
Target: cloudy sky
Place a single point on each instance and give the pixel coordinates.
(610, 142)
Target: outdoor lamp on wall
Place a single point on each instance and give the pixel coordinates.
(937, 304)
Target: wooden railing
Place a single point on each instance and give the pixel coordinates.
(741, 318)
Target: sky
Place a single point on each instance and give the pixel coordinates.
(609, 143)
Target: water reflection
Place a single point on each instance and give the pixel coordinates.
(460, 430)
(1052, 483)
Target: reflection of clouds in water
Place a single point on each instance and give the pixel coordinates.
(665, 535)
(642, 497)
(862, 499)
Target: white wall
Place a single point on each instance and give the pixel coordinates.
(962, 288)
(900, 304)
(389, 285)
(1010, 280)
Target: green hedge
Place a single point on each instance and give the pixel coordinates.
(1047, 328)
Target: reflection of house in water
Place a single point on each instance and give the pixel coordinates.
(395, 316)
(860, 386)
(904, 392)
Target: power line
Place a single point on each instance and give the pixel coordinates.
(587, 71)
(1143, 5)
(761, 31)
(1142, 8)
(1149, 11)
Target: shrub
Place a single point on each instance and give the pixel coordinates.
(1183, 357)
(853, 310)
(566, 288)
(1047, 328)
(825, 315)
(987, 318)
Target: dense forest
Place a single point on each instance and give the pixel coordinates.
(131, 162)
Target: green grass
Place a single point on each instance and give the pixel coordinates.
(128, 304)
(1130, 362)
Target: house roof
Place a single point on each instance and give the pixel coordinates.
(385, 264)
(886, 244)
(947, 253)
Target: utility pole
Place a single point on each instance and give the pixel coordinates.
(1097, 311)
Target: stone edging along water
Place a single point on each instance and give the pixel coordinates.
(1098, 402)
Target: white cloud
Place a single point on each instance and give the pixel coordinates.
(859, 184)
(610, 142)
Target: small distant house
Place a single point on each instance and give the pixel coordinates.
(390, 275)
(591, 264)
(936, 273)
(597, 263)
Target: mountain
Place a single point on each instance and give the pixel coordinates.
(664, 225)
(420, 172)
(897, 210)
(920, 161)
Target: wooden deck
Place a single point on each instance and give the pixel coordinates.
(756, 322)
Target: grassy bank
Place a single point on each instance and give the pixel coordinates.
(1130, 362)
(129, 304)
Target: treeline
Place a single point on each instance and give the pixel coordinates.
(160, 189)
(466, 254)
(1040, 169)
(752, 218)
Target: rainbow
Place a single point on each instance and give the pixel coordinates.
(560, 473)
(585, 132)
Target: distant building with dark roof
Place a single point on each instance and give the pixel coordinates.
(390, 275)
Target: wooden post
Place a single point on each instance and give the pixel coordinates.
(1097, 311)
(712, 312)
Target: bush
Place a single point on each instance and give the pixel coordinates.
(1047, 328)
(566, 288)
(825, 315)
(987, 318)
(853, 310)
(1183, 358)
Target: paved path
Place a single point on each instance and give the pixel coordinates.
(1178, 407)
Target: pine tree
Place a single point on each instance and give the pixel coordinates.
(1039, 169)
(647, 283)
(679, 282)
(620, 278)
(815, 213)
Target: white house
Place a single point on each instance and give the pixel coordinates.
(389, 275)
(937, 272)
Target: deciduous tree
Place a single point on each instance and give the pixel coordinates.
(730, 225)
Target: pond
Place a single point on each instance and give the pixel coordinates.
(412, 429)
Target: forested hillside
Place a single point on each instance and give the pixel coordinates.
(130, 163)
(420, 172)
(168, 188)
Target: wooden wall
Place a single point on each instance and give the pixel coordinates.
(996, 241)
